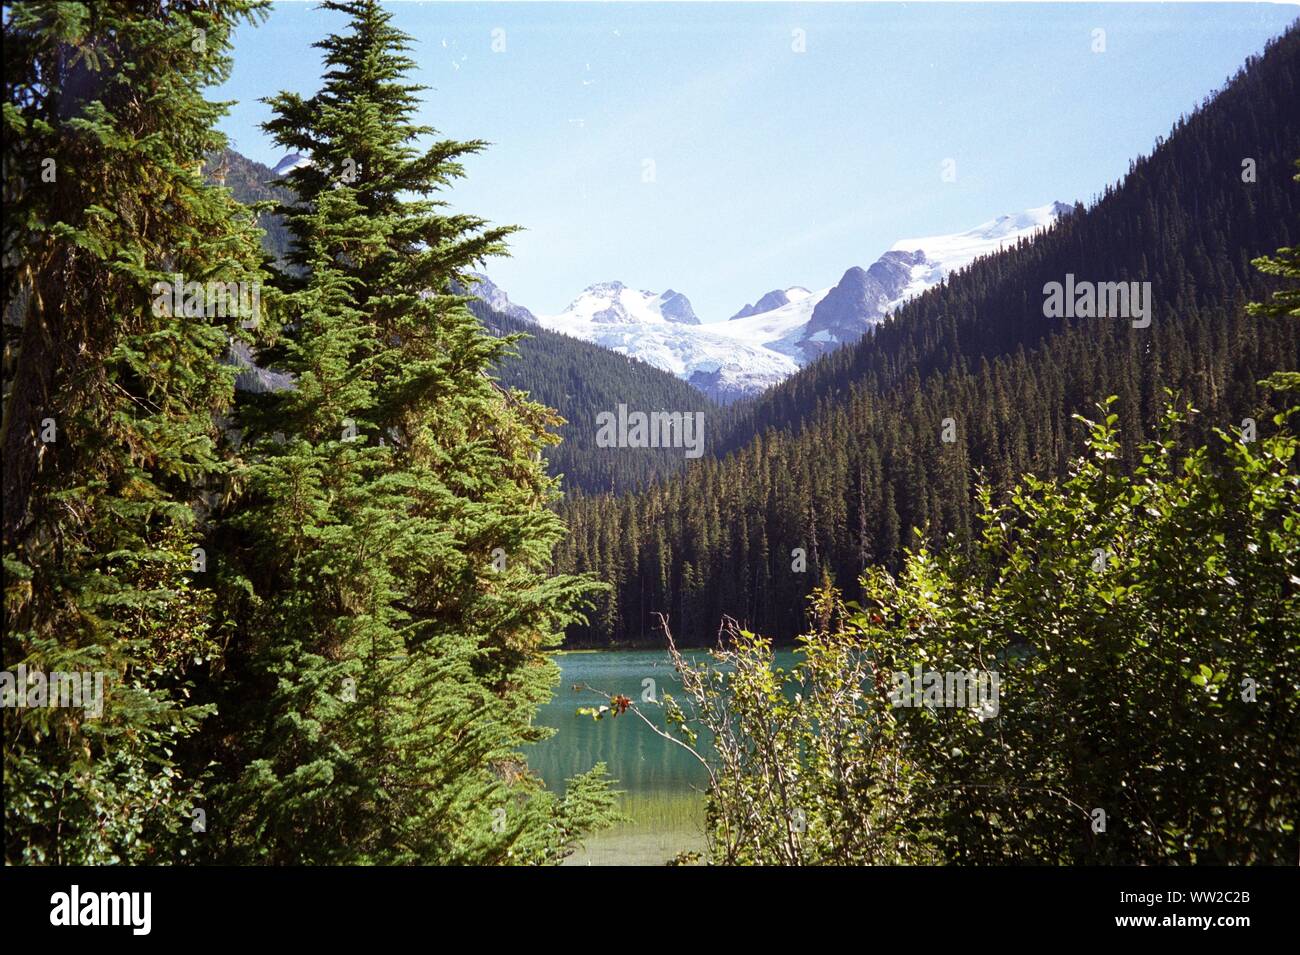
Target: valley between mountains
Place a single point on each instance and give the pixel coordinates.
(784, 329)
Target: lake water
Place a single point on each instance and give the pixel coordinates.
(663, 784)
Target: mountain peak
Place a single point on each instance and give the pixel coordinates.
(613, 303)
(490, 294)
(604, 288)
(676, 307)
(773, 300)
(784, 329)
(289, 163)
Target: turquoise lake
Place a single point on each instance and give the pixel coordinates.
(663, 785)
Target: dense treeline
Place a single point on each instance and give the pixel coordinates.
(843, 461)
(321, 614)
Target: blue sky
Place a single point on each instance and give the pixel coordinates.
(771, 167)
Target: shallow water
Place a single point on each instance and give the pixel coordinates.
(663, 784)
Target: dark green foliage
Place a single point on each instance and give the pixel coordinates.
(1145, 631)
(389, 595)
(365, 670)
(99, 522)
(1284, 308)
(1146, 711)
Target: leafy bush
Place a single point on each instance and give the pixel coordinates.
(1142, 631)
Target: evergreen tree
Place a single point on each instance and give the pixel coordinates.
(396, 541)
(110, 401)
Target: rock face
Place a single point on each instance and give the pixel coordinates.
(487, 292)
(772, 300)
(252, 377)
(861, 299)
(675, 307)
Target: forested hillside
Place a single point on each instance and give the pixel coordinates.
(1184, 218)
(832, 470)
(293, 528)
(580, 381)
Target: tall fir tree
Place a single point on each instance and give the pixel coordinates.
(395, 606)
(111, 394)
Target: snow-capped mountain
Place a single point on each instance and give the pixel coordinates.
(945, 254)
(784, 329)
(864, 297)
(289, 163)
(662, 329)
(779, 329)
(772, 300)
(613, 303)
(726, 360)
